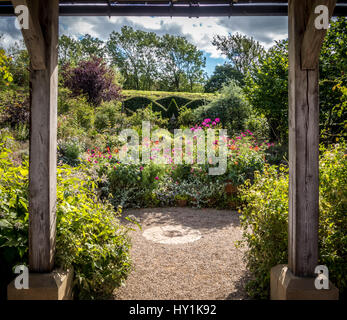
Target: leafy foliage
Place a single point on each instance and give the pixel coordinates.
(73, 51)
(267, 89)
(267, 85)
(92, 78)
(333, 81)
(265, 221)
(148, 61)
(230, 106)
(241, 50)
(221, 76)
(14, 108)
(89, 236)
(13, 212)
(5, 75)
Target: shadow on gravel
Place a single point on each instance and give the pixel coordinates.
(206, 220)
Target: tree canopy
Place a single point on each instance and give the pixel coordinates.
(241, 50)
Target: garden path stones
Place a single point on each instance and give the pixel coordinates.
(172, 234)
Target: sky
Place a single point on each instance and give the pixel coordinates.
(199, 31)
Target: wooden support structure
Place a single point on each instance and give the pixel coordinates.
(313, 37)
(33, 38)
(42, 42)
(304, 47)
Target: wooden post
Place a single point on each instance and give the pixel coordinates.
(303, 137)
(43, 141)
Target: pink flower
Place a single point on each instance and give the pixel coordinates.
(214, 123)
(141, 168)
(217, 120)
(156, 178)
(207, 120)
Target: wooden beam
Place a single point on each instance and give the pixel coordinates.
(303, 147)
(313, 37)
(43, 142)
(33, 38)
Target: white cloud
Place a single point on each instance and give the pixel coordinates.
(199, 31)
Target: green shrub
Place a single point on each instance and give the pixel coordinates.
(265, 221)
(64, 100)
(333, 217)
(89, 236)
(259, 126)
(13, 214)
(156, 107)
(21, 131)
(147, 114)
(85, 117)
(67, 127)
(230, 107)
(186, 117)
(14, 107)
(69, 151)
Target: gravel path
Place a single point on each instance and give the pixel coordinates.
(208, 268)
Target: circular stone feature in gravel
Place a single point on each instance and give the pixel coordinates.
(172, 234)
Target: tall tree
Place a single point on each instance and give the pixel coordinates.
(69, 50)
(92, 47)
(267, 85)
(222, 75)
(135, 54)
(267, 89)
(181, 62)
(74, 50)
(241, 50)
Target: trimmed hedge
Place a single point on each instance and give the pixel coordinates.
(172, 109)
(166, 106)
(194, 104)
(136, 103)
(180, 101)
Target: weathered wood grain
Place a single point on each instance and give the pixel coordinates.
(313, 38)
(43, 143)
(33, 38)
(303, 147)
